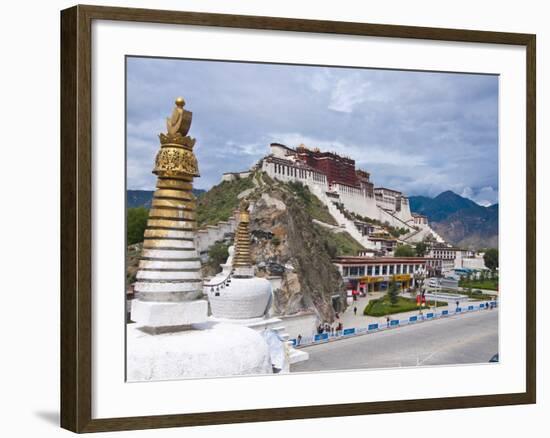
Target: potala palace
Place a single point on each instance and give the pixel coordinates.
(349, 194)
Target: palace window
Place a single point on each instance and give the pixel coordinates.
(369, 270)
(355, 271)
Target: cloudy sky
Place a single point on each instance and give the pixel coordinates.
(418, 132)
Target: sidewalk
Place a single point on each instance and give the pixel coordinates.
(349, 320)
(361, 325)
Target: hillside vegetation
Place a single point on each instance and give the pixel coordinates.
(339, 244)
(219, 203)
(314, 207)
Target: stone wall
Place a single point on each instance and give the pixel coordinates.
(209, 235)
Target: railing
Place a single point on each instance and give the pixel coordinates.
(321, 338)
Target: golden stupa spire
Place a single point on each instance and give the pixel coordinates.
(242, 256)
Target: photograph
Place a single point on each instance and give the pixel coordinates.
(289, 218)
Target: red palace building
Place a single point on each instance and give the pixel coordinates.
(337, 169)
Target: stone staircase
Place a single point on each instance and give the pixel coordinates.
(393, 220)
(409, 237)
(421, 234)
(343, 221)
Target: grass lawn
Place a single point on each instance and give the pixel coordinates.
(383, 306)
(491, 284)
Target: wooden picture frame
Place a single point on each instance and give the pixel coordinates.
(76, 218)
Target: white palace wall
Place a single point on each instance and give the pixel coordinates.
(405, 213)
(288, 173)
(354, 199)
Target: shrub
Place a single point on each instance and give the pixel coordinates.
(217, 254)
(136, 222)
(404, 251)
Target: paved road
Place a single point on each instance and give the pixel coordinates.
(463, 339)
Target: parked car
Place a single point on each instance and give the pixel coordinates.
(477, 292)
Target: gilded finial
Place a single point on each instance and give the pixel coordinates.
(176, 156)
(180, 102)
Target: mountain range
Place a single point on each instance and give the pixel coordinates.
(459, 220)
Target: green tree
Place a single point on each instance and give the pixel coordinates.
(404, 251)
(491, 259)
(217, 254)
(393, 293)
(136, 222)
(421, 249)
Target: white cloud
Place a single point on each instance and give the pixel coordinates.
(347, 93)
(364, 155)
(484, 196)
(254, 149)
(321, 80)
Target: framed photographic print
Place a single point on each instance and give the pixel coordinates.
(260, 211)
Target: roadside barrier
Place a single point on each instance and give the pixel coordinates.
(390, 325)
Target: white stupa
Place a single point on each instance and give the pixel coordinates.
(236, 294)
(238, 297)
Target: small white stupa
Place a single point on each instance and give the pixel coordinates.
(238, 297)
(237, 294)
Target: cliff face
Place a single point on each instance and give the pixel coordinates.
(285, 236)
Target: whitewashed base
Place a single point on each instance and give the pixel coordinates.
(222, 350)
(295, 356)
(167, 314)
(260, 324)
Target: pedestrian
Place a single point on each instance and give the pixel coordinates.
(387, 321)
(487, 306)
(299, 340)
(355, 310)
(457, 304)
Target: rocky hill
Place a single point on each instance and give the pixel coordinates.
(310, 280)
(459, 220)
